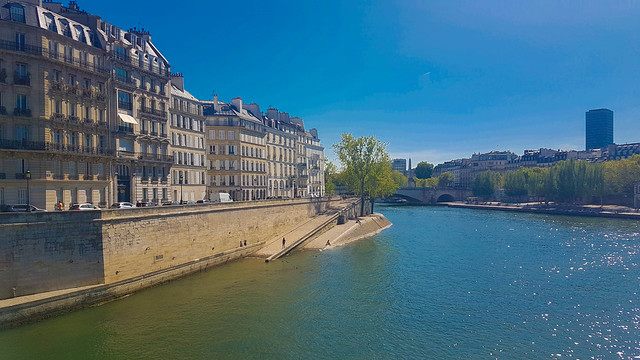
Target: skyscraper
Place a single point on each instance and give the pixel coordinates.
(599, 128)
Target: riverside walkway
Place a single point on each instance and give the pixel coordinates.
(302, 233)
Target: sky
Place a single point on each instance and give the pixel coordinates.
(435, 80)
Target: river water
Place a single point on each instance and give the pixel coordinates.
(440, 283)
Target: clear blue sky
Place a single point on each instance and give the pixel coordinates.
(437, 80)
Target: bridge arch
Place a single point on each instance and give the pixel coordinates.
(446, 198)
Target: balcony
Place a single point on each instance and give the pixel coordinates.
(21, 79)
(44, 52)
(22, 112)
(154, 179)
(74, 119)
(124, 78)
(72, 89)
(73, 177)
(124, 130)
(151, 111)
(144, 131)
(58, 117)
(155, 157)
(22, 144)
(164, 180)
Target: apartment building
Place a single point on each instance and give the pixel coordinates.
(235, 141)
(281, 154)
(187, 133)
(54, 131)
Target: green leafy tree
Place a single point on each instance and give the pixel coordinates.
(366, 167)
(423, 170)
(430, 182)
(446, 179)
(399, 179)
(515, 183)
(486, 183)
(619, 176)
(330, 175)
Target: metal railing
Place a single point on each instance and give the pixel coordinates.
(44, 52)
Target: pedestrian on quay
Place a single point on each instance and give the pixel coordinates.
(283, 242)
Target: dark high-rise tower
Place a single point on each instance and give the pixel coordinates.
(599, 126)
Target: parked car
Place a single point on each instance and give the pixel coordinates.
(20, 208)
(204, 201)
(122, 205)
(145, 204)
(168, 203)
(83, 207)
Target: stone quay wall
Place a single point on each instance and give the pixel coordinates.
(42, 252)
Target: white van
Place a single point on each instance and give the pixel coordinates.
(221, 197)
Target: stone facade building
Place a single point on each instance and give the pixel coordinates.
(186, 128)
(54, 131)
(236, 151)
(281, 154)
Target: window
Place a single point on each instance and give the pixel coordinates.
(50, 22)
(221, 135)
(73, 138)
(17, 12)
(87, 84)
(20, 42)
(230, 135)
(80, 34)
(72, 109)
(21, 102)
(120, 53)
(124, 100)
(22, 133)
(88, 140)
(122, 75)
(58, 106)
(72, 80)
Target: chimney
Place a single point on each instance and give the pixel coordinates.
(177, 79)
(237, 102)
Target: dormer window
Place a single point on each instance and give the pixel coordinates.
(50, 22)
(80, 34)
(17, 12)
(66, 29)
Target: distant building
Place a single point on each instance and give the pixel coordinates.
(619, 152)
(599, 128)
(399, 165)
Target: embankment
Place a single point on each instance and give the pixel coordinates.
(114, 252)
(607, 211)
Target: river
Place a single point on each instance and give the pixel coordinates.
(441, 283)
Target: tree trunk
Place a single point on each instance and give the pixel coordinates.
(362, 205)
(372, 202)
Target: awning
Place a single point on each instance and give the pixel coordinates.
(127, 118)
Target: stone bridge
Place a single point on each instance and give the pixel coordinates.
(432, 195)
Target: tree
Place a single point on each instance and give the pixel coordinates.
(330, 174)
(515, 183)
(423, 170)
(619, 176)
(366, 167)
(399, 179)
(430, 182)
(446, 179)
(486, 183)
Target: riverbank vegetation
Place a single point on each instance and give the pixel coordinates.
(365, 167)
(569, 181)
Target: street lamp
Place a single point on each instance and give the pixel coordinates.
(117, 192)
(28, 177)
(181, 179)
